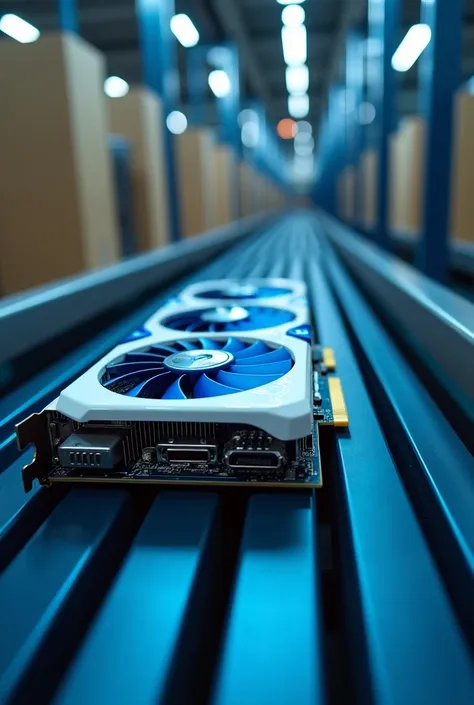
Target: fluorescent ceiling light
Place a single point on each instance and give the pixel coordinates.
(303, 144)
(304, 127)
(412, 45)
(19, 29)
(290, 2)
(184, 30)
(293, 15)
(366, 114)
(176, 122)
(219, 83)
(297, 79)
(298, 105)
(304, 138)
(116, 87)
(294, 41)
(250, 134)
(247, 115)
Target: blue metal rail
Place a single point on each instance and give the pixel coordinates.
(360, 592)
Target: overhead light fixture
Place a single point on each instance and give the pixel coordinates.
(176, 122)
(219, 83)
(304, 138)
(303, 126)
(290, 2)
(298, 105)
(116, 87)
(366, 114)
(250, 134)
(286, 129)
(19, 29)
(297, 79)
(303, 148)
(184, 30)
(247, 115)
(293, 15)
(412, 45)
(295, 45)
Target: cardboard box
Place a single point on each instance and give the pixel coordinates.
(222, 180)
(462, 200)
(57, 203)
(407, 154)
(346, 194)
(197, 195)
(368, 175)
(138, 116)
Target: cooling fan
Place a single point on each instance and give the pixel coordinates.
(196, 369)
(228, 319)
(243, 290)
(238, 291)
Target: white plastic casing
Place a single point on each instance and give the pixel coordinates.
(283, 408)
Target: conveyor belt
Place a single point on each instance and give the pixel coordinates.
(360, 592)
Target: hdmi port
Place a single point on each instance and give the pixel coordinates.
(250, 460)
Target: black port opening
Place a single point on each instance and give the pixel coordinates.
(188, 455)
(254, 460)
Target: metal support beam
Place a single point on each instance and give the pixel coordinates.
(160, 73)
(68, 15)
(230, 17)
(383, 23)
(440, 77)
(355, 64)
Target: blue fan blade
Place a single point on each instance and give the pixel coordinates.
(208, 344)
(151, 388)
(164, 350)
(206, 387)
(274, 368)
(271, 356)
(185, 345)
(258, 348)
(269, 292)
(144, 357)
(175, 391)
(233, 346)
(179, 323)
(123, 368)
(195, 325)
(245, 381)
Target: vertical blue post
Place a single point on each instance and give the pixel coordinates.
(440, 77)
(200, 60)
(355, 94)
(160, 72)
(68, 20)
(383, 28)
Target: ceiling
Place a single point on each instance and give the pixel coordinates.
(255, 25)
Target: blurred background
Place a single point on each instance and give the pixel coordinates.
(126, 126)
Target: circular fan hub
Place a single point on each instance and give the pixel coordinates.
(225, 314)
(241, 291)
(198, 361)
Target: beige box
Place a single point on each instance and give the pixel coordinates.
(346, 194)
(57, 204)
(368, 175)
(139, 117)
(197, 194)
(462, 199)
(246, 190)
(407, 150)
(222, 182)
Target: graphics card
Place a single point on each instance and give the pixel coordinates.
(228, 394)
